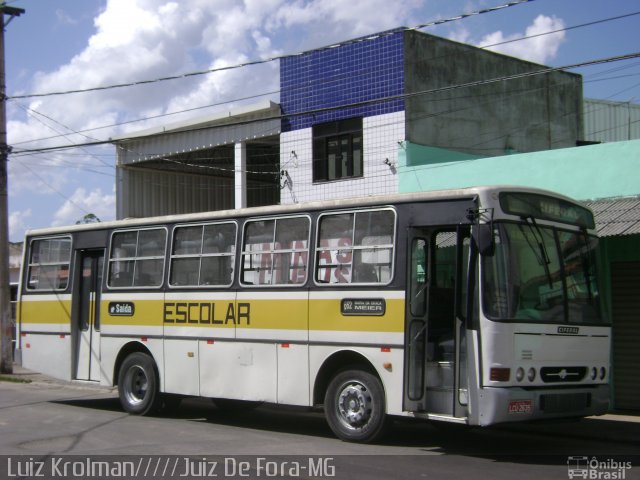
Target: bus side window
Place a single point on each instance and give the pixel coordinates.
(49, 261)
(418, 272)
(276, 251)
(203, 255)
(355, 247)
(137, 258)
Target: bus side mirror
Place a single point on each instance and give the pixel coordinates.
(483, 238)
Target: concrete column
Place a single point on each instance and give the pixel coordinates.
(240, 155)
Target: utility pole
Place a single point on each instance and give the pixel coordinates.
(6, 360)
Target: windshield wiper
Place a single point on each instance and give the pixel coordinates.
(540, 252)
(586, 264)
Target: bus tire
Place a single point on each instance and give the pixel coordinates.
(138, 385)
(354, 406)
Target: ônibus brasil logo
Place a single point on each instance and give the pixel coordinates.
(594, 468)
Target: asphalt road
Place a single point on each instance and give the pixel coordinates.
(50, 421)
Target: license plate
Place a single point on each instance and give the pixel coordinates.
(520, 406)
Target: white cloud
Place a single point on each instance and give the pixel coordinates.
(102, 205)
(539, 49)
(145, 39)
(18, 222)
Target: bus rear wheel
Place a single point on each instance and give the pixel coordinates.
(138, 385)
(355, 406)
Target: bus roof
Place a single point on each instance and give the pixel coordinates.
(468, 192)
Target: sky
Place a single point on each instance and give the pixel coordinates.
(62, 45)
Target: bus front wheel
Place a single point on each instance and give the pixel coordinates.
(138, 385)
(355, 406)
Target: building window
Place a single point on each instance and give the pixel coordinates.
(337, 150)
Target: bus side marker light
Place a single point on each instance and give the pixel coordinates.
(144, 339)
(499, 374)
(210, 342)
(284, 345)
(385, 349)
(62, 335)
(23, 334)
(190, 354)
(28, 345)
(387, 366)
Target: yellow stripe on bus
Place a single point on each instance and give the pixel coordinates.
(146, 312)
(53, 311)
(276, 314)
(327, 315)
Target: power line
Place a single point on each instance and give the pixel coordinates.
(54, 189)
(365, 102)
(573, 27)
(279, 57)
(565, 29)
(153, 117)
(35, 114)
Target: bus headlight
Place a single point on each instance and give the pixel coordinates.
(519, 374)
(594, 373)
(531, 374)
(603, 373)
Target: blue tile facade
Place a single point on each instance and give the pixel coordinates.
(359, 71)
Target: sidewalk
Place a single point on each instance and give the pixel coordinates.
(21, 374)
(611, 427)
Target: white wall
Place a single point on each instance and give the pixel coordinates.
(381, 135)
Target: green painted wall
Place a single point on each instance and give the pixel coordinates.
(589, 172)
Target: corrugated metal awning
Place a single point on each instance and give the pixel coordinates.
(616, 216)
(249, 123)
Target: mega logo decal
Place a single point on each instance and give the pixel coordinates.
(206, 313)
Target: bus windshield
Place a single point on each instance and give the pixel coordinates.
(541, 274)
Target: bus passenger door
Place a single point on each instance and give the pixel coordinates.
(87, 316)
(433, 331)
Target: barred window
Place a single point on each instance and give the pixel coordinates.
(137, 258)
(276, 251)
(203, 255)
(355, 247)
(337, 150)
(49, 261)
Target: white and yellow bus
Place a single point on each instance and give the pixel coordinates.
(475, 306)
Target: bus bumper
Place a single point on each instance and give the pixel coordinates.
(500, 405)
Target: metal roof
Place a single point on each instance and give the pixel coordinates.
(248, 123)
(607, 121)
(616, 216)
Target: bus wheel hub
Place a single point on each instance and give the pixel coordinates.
(354, 404)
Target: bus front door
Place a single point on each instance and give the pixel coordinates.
(434, 332)
(87, 317)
